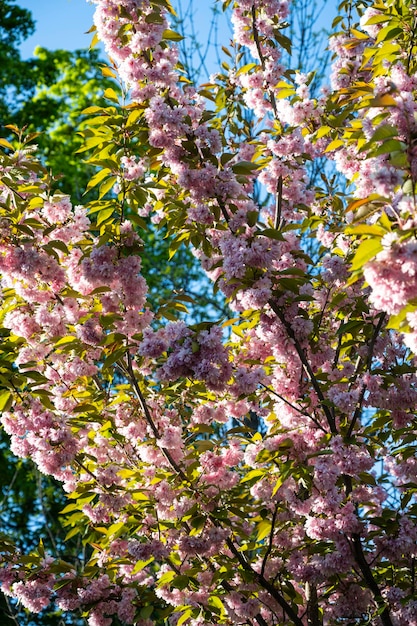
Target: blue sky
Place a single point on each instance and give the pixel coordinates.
(64, 23)
(59, 24)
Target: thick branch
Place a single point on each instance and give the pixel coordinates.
(370, 580)
(313, 615)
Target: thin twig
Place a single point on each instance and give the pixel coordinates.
(359, 404)
(138, 392)
(294, 407)
(45, 512)
(271, 536)
(287, 608)
(278, 203)
(89, 472)
(262, 59)
(11, 614)
(306, 365)
(10, 486)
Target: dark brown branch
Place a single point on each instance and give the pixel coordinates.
(45, 512)
(369, 357)
(262, 581)
(228, 587)
(262, 59)
(271, 536)
(224, 212)
(128, 371)
(313, 615)
(89, 472)
(273, 592)
(278, 204)
(295, 408)
(306, 365)
(370, 580)
(11, 614)
(131, 375)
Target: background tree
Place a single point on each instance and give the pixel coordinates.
(16, 24)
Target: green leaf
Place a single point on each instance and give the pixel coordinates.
(377, 19)
(180, 582)
(384, 132)
(166, 578)
(391, 145)
(323, 131)
(263, 530)
(272, 233)
(6, 400)
(146, 612)
(253, 475)
(104, 215)
(366, 229)
(110, 94)
(6, 144)
(184, 617)
(278, 484)
(92, 110)
(367, 250)
(107, 71)
(215, 602)
(74, 531)
(113, 357)
(398, 321)
(389, 32)
(244, 167)
(171, 35)
(333, 145)
(107, 186)
(95, 40)
(97, 178)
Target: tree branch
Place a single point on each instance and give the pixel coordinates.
(295, 408)
(287, 608)
(278, 203)
(262, 59)
(369, 579)
(313, 615)
(369, 357)
(131, 375)
(306, 365)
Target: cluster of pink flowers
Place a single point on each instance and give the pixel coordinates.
(117, 22)
(190, 451)
(393, 277)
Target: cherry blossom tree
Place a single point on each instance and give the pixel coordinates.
(185, 513)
